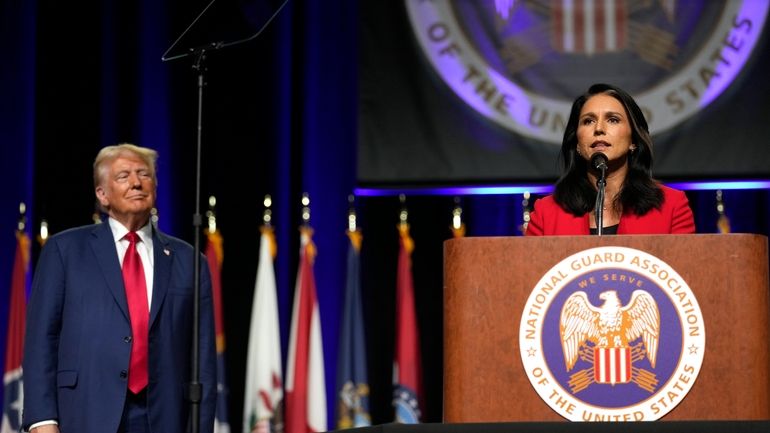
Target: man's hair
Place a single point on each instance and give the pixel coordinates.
(110, 153)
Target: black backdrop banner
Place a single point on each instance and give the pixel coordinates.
(479, 91)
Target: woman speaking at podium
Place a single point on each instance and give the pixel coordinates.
(608, 134)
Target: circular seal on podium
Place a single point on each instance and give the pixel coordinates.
(612, 334)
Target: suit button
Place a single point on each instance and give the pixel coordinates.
(127, 339)
(123, 374)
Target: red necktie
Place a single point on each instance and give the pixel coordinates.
(136, 294)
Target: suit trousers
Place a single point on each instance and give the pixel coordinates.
(135, 415)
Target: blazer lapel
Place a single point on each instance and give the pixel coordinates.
(103, 245)
(163, 259)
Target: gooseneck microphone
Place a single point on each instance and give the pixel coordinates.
(599, 162)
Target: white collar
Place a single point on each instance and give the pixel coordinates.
(119, 231)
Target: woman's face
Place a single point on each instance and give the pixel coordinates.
(604, 127)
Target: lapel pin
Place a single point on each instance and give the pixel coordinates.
(166, 251)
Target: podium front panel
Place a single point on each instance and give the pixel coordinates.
(487, 282)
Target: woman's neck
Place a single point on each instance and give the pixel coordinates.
(613, 209)
(615, 178)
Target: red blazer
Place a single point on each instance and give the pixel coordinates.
(674, 216)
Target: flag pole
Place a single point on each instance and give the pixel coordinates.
(263, 394)
(305, 382)
(406, 364)
(526, 210)
(458, 227)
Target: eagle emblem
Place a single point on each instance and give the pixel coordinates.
(606, 337)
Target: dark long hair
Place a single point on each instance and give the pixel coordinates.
(639, 193)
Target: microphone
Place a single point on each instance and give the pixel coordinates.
(599, 161)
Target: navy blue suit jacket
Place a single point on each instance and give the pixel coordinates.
(77, 349)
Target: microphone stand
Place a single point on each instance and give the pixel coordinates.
(195, 387)
(601, 183)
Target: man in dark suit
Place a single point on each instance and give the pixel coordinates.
(109, 322)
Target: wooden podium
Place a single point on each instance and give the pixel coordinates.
(487, 282)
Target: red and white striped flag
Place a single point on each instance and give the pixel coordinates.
(589, 26)
(305, 383)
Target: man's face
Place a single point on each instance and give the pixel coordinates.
(127, 190)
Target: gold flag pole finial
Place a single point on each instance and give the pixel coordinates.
(305, 209)
(403, 224)
(458, 227)
(352, 223)
(22, 223)
(21, 235)
(526, 210)
(403, 216)
(213, 237)
(353, 231)
(267, 214)
(267, 227)
(305, 230)
(723, 222)
(211, 215)
(43, 235)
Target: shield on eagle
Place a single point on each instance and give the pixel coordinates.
(606, 337)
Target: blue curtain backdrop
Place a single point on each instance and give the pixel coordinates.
(17, 124)
(280, 118)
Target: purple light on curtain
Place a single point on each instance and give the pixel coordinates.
(457, 190)
(547, 189)
(757, 12)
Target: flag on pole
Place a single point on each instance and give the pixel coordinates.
(214, 256)
(407, 372)
(305, 383)
(352, 381)
(17, 312)
(263, 400)
(458, 226)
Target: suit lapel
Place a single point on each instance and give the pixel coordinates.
(103, 245)
(163, 259)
